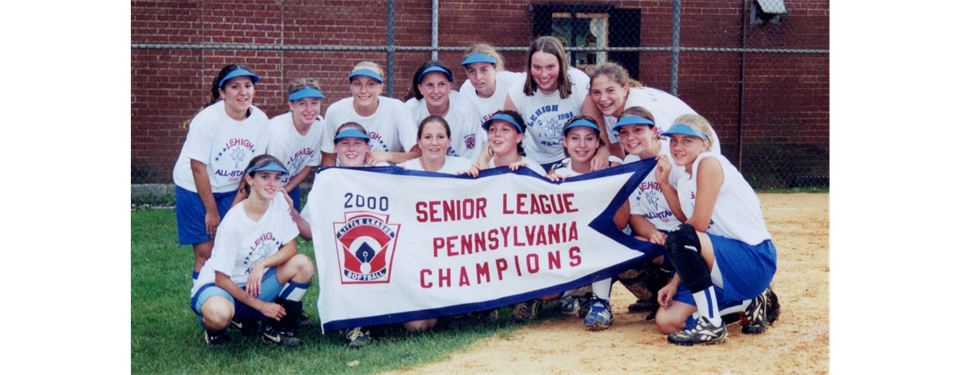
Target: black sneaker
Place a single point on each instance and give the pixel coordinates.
(526, 311)
(276, 336)
(585, 304)
(487, 316)
(643, 305)
(773, 305)
(356, 338)
(755, 317)
(215, 338)
(303, 321)
(704, 333)
(247, 329)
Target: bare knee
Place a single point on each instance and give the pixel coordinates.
(304, 267)
(419, 325)
(217, 313)
(670, 321)
(201, 252)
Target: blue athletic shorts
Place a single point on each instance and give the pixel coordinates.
(295, 196)
(269, 290)
(191, 216)
(746, 270)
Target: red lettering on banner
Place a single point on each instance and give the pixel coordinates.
(501, 266)
(538, 204)
(441, 278)
(520, 204)
(450, 251)
(567, 204)
(554, 232)
(575, 256)
(553, 259)
(483, 270)
(535, 266)
(421, 214)
(433, 211)
(516, 260)
(464, 280)
(423, 280)
(530, 231)
(451, 210)
(437, 245)
(543, 203)
(480, 241)
(466, 244)
(535, 207)
(505, 231)
(494, 241)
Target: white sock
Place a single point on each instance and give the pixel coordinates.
(602, 288)
(294, 291)
(707, 306)
(736, 309)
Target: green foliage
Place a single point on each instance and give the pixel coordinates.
(166, 338)
(166, 200)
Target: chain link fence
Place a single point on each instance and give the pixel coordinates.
(757, 69)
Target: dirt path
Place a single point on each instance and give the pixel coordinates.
(798, 343)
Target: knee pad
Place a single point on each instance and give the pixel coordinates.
(682, 247)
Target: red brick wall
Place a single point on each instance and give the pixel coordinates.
(786, 96)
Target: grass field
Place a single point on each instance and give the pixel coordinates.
(165, 336)
(166, 339)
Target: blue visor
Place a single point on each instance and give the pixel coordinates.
(351, 133)
(365, 73)
(270, 167)
(306, 92)
(478, 58)
(583, 123)
(501, 117)
(432, 69)
(239, 73)
(683, 129)
(632, 120)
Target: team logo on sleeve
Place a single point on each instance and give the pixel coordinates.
(365, 244)
(470, 140)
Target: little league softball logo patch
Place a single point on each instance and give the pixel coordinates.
(365, 243)
(470, 140)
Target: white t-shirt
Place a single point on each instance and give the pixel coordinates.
(487, 106)
(467, 138)
(737, 213)
(295, 150)
(452, 165)
(545, 116)
(225, 145)
(530, 164)
(242, 242)
(648, 200)
(389, 128)
(564, 170)
(664, 107)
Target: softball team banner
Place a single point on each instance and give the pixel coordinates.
(394, 245)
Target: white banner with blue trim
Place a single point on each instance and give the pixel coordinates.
(393, 245)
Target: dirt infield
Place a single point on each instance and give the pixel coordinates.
(797, 343)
